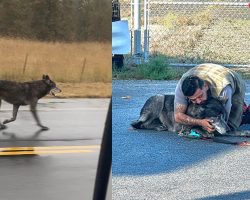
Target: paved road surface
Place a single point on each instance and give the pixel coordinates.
(59, 164)
(153, 165)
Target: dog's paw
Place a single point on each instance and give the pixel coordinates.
(6, 121)
(44, 128)
(2, 126)
(161, 128)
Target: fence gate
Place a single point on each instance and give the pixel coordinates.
(190, 32)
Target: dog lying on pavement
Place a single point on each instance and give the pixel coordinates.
(26, 93)
(158, 114)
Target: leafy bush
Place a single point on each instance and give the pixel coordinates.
(156, 69)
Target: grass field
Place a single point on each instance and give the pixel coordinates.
(75, 64)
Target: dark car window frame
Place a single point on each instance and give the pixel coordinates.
(105, 159)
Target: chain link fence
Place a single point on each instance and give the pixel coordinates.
(189, 32)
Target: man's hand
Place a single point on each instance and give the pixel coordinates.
(207, 125)
(182, 118)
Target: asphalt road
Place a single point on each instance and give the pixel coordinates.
(161, 165)
(58, 164)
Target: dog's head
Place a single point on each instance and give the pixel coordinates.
(53, 89)
(212, 109)
(220, 124)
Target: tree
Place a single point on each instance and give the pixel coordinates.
(56, 20)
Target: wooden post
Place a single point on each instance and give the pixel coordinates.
(83, 67)
(25, 63)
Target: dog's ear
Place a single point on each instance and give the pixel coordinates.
(46, 77)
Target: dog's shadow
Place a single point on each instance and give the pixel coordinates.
(14, 136)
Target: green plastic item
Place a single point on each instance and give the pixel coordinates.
(194, 134)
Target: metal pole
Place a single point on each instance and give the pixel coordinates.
(132, 25)
(137, 30)
(146, 31)
(200, 3)
(195, 64)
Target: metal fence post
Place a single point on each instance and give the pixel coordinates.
(137, 31)
(146, 31)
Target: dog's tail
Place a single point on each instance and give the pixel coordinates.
(137, 124)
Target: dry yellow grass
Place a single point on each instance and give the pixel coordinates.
(86, 90)
(79, 69)
(64, 62)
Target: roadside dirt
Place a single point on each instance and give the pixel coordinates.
(84, 90)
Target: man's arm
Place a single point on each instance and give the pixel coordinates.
(180, 107)
(226, 97)
(182, 118)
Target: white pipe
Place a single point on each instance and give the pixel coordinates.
(200, 3)
(193, 65)
(146, 31)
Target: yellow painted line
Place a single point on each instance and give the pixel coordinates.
(42, 152)
(47, 150)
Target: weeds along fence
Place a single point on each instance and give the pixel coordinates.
(190, 32)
